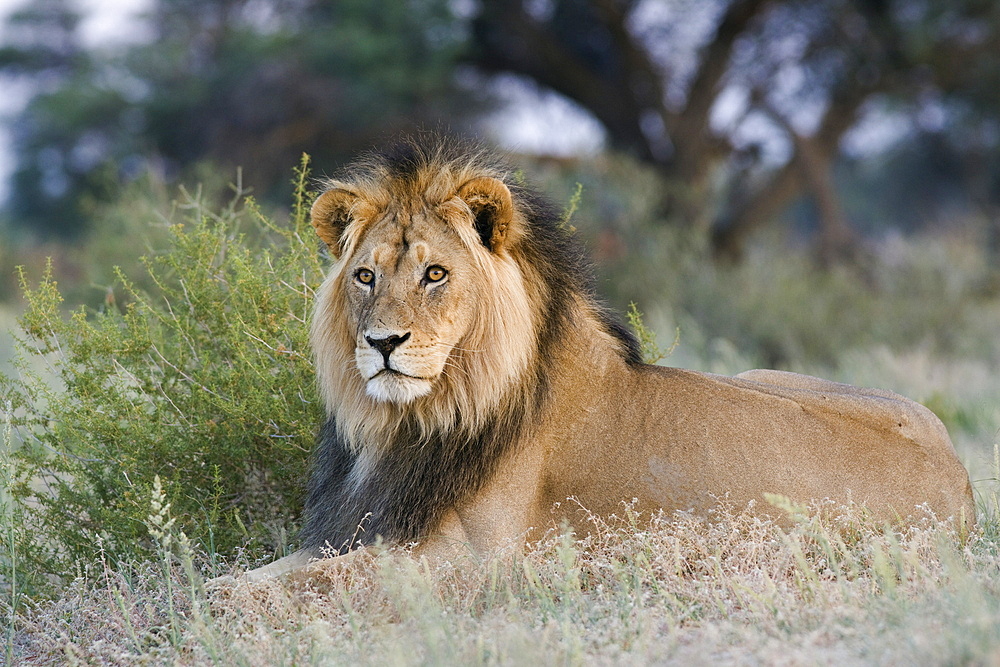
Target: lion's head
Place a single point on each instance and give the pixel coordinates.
(447, 276)
(408, 281)
(437, 334)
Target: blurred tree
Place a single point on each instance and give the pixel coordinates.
(747, 102)
(742, 105)
(250, 83)
(43, 44)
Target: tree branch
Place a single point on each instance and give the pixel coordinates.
(689, 128)
(507, 39)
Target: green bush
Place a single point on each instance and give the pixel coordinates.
(204, 380)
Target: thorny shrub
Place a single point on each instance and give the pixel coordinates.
(204, 381)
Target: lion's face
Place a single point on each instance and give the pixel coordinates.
(410, 287)
(427, 309)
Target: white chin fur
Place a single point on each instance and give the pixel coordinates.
(395, 388)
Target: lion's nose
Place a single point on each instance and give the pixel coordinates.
(386, 345)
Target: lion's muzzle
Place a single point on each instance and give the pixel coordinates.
(387, 344)
(394, 373)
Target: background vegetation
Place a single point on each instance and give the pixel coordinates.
(810, 186)
(742, 107)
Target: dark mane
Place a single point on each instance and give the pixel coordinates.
(416, 479)
(567, 270)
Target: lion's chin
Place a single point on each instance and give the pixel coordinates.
(390, 387)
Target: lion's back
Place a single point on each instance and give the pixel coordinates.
(880, 409)
(683, 438)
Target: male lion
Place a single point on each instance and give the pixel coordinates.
(473, 383)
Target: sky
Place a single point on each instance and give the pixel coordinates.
(105, 20)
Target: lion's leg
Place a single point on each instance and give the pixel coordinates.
(280, 567)
(448, 543)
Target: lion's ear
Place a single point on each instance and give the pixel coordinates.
(493, 209)
(331, 212)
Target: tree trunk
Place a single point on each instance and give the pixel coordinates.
(751, 212)
(836, 240)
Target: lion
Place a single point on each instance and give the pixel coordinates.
(473, 383)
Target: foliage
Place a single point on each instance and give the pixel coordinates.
(744, 108)
(204, 381)
(226, 303)
(742, 105)
(236, 82)
(936, 292)
(652, 353)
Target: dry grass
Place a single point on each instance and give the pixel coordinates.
(733, 590)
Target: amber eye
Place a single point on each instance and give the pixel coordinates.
(365, 276)
(435, 274)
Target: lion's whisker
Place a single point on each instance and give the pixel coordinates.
(466, 349)
(455, 367)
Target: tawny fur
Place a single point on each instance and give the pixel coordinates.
(513, 389)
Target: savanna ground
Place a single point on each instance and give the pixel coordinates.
(920, 316)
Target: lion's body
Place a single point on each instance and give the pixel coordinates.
(680, 440)
(474, 385)
(699, 437)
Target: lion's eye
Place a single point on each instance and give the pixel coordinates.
(365, 276)
(435, 274)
